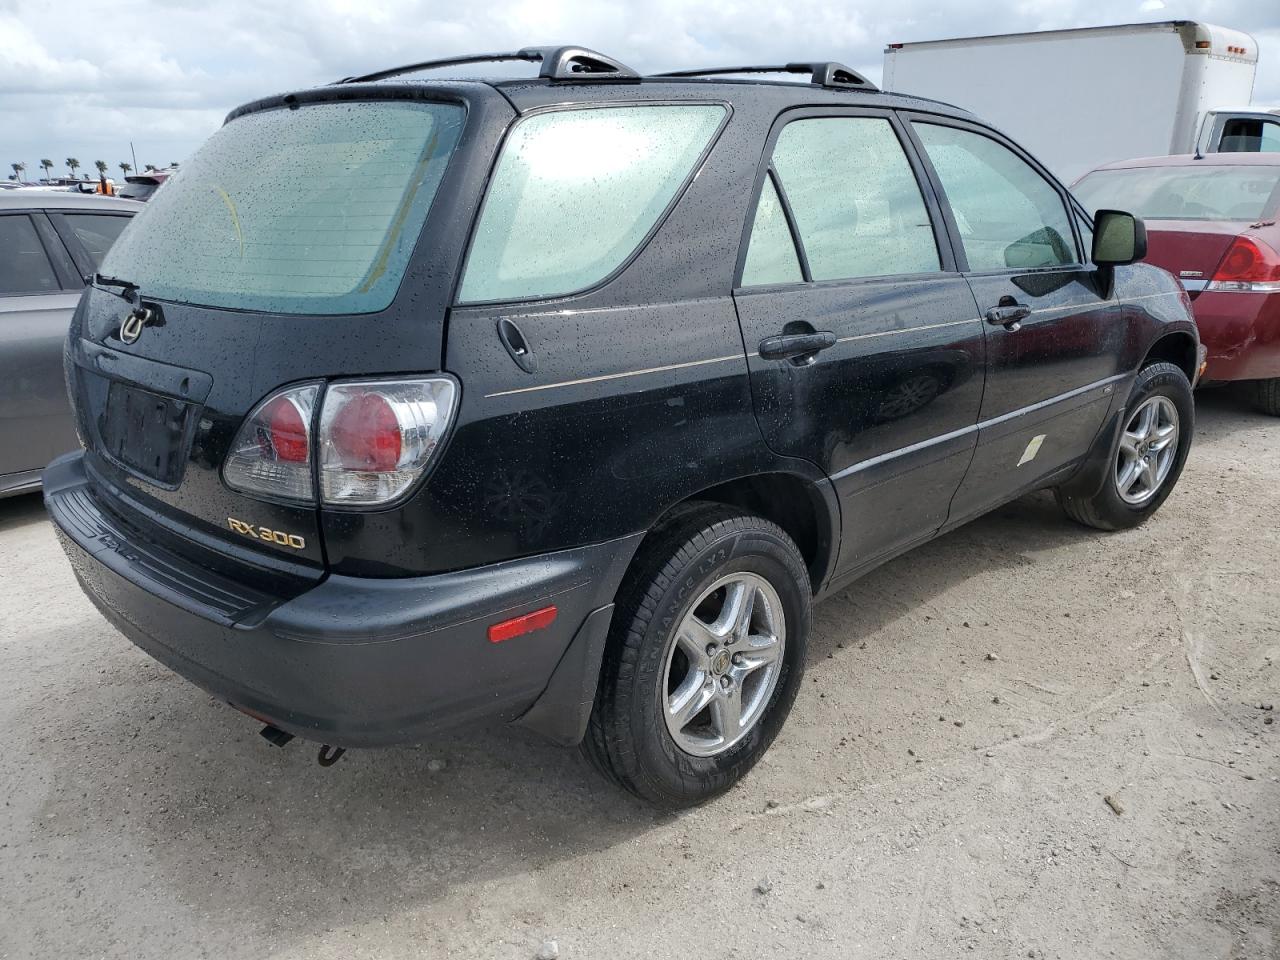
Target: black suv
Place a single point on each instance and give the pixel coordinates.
(559, 400)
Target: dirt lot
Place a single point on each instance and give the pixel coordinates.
(939, 789)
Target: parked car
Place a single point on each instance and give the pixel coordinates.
(49, 243)
(1212, 221)
(558, 400)
(142, 186)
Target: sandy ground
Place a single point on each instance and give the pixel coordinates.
(924, 801)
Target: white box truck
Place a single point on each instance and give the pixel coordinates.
(1080, 98)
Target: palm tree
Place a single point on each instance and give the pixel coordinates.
(48, 165)
(150, 167)
(17, 170)
(73, 164)
(102, 167)
(173, 164)
(124, 168)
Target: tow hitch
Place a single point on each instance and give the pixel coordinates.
(327, 757)
(330, 755)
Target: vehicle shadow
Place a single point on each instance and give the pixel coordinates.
(267, 843)
(226, 820)
(264, 841)
(1222, 412)
(998, 544)
(21, 511)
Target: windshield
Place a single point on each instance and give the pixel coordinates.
(1205, 192)
(309, 210)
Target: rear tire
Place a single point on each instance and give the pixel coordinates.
(1139, 473)
(1265, 396)
(664, 725)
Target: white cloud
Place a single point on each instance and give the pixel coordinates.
(94, 74)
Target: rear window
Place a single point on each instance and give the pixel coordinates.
(312, 210)
(1205, 192)
(575, 193)
(137, 191)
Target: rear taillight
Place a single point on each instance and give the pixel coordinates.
(271, 455)
(374, 439)
(1248, 266)
(377, 437)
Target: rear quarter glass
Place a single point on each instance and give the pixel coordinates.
(576, 192)
(313, 210)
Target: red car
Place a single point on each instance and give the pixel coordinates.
(1211, 222)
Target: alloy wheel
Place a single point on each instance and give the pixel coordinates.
(723, 664)
(1148, 448)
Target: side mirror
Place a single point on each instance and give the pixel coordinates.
(1118, 238)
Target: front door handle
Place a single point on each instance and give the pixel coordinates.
(1009, 315)
(795, 346)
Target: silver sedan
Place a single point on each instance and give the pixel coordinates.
(50, 243)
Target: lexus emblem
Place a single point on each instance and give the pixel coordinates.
(131, 329)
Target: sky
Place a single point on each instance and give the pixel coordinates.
(85, 78)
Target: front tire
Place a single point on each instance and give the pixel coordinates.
(705, 656)
(1129, 486)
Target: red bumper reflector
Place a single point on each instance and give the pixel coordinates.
(519, 626)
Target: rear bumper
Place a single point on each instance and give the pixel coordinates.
(352, 661)
(1242, 332)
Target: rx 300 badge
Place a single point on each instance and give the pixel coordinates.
(278, 537)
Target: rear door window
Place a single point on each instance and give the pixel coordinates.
(96, 232)
(24, 265)
(576, 192)
(311, 210)
(1008, 215)
(857, 204)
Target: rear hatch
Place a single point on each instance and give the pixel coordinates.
(297, 245)
(1190, 249)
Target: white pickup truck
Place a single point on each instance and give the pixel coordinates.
(1080, 98)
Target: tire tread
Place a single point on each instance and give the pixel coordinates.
(1265, 396)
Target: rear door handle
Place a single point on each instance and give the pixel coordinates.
(795, 346)
(1009, 316)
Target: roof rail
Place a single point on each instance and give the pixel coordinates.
(558, 63)
(824, 74)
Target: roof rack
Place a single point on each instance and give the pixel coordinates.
(558, 63)
(824, 74)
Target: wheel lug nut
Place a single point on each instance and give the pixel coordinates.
(737, 659)
(725, 682)
(711, 649)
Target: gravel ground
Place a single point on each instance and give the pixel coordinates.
(941, 787)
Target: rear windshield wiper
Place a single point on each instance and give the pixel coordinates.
(128, 287)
